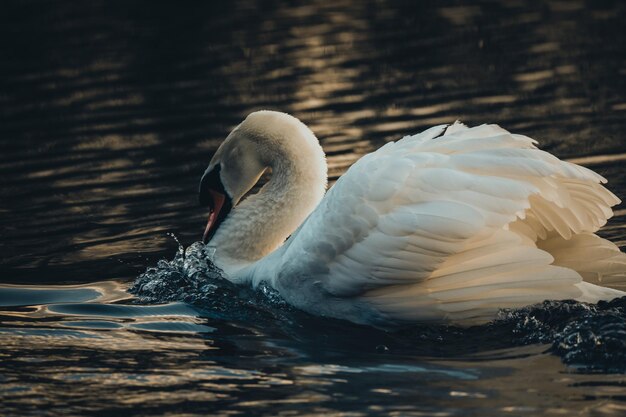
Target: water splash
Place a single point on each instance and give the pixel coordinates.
(189, 277)
(192, 277)
(589, 337)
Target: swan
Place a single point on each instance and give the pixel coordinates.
(446, 226)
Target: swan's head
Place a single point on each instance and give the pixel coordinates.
(264, 139)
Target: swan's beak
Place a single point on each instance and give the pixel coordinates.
(213, 196)
(215, 207)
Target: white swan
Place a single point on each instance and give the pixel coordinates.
(449, 225)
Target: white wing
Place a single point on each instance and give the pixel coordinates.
(443, 226)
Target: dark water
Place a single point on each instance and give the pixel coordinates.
(109, 113)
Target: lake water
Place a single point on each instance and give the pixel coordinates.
(111, 110)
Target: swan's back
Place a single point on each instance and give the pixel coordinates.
(451, 224)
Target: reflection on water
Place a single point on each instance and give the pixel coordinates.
(110, 112)
(174, 358)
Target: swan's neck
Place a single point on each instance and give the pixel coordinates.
(262, 222)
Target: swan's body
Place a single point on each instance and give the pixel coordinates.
(449, 225)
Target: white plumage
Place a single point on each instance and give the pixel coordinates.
(449, 225)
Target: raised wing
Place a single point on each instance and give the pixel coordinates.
(443, 225)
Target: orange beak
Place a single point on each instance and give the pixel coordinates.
(213, 195)
(215, 207)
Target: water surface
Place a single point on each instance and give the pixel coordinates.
(109, 113)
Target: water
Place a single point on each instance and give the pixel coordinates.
(109, 113)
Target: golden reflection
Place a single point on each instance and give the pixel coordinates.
(460, 15)
(545, 47)
(535, 76)
(117, 142)
(546, 389)
(598, 159)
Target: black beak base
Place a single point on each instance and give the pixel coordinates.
(211, 180)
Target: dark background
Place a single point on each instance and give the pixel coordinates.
(110, 110)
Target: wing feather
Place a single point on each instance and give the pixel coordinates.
(444, 225)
